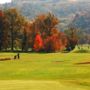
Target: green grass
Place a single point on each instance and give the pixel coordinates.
(53, 71)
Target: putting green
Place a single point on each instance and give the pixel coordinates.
(35, 85)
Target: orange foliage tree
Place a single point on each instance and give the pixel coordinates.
(57, 41)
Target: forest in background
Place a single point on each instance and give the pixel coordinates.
(17, 33)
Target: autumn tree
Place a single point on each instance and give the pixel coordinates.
(39, 34)
(1, 28)
(25, 41)
(57, 41)
(28, 36)
(15, 21)
(45, 24)
(4, 38)
(38, 43)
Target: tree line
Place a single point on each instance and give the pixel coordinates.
(41, 34)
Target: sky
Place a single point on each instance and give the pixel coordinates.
(4, 1)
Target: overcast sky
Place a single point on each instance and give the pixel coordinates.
(6, 1)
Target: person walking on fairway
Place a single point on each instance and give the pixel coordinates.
(18, 56)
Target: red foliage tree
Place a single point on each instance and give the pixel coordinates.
(38, 43)
(52, 44)
(1, 13)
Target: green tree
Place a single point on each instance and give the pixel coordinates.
(72, 36)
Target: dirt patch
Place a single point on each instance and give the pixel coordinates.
(5, 59)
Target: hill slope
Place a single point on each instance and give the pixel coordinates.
(63, 9)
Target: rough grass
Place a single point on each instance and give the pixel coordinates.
(54, 71)
(83, 49)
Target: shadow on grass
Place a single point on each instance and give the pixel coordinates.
(83, 63)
